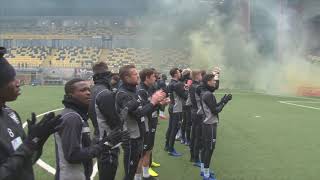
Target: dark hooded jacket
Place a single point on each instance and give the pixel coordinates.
(74, 152)
(16, 158)
(102, 110)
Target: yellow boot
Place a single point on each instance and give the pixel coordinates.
(153, 164)
(153, 173)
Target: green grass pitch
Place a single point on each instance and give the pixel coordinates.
(259, 138)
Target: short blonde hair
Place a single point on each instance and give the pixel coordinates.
(186, 71)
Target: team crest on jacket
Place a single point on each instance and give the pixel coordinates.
(14, 117)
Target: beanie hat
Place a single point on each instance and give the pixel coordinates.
(7, 72)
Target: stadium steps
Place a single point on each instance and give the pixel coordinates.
(50, 56)
(104, 55)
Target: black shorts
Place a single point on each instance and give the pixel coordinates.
(147, 142)
(150, 136)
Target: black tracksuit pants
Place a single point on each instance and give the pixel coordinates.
(174, 125)
(108, 164)
(186, 124)
(133, 150)
(209, 132)
(196, 141)
(169, 128)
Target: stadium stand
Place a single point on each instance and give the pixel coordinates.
(27, 57)
(73, 57)
(119, 57)
(84, 57)
(52, 32)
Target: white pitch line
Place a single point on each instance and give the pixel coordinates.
(266, 94)
(279, 95)
(49, 112)
(311, 102)
(296, 97)
(40, 162)
(25, 123)
(46, 167)
(310, 107)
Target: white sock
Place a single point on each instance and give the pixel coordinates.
(178, 135)
(138, 177)
(206, 172)
(145, 171)
(202, 167)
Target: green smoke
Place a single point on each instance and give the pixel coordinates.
(268, 57)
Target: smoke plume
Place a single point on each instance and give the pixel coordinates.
(268, 57)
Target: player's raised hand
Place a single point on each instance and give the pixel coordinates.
(216, 72)
(157, 97)
(166, 101)
(38, 133)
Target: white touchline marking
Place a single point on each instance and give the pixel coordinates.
(266, 94)
(46, 166)
(311, 102)
(310, 107)
(49, 168)
(25, 123)
(297, 97)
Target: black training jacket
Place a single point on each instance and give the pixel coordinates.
(73, 150)
(102, 110)
(211, 107)
(177, 95)
(128, 100)
(195, 98)
(16, 159)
